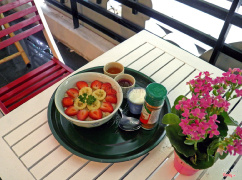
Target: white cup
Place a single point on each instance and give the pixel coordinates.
(116, 65)
(122, 77)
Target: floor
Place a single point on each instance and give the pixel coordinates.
(39, 53)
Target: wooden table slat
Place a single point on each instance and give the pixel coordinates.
(40, 151)
(25, 128)
(91, 171)
(220, 167)
(157, 64)
(236, 113)
(118, 170)
(177, 77)
(32, 140)
(181, 89)
(142, 62)
(167, 70)
(236, 171)
(68, 168)
(155, 157)
(50, 163)
(136, 54)
(166, 170)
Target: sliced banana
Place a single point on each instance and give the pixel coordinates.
(86, 90)
(78, 104)
(94, 105)
(99, 94)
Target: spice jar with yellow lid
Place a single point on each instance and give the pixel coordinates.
(154, 100)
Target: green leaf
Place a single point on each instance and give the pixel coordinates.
(174, 111)
(218, 155)
(224, 86)
(229, 120)
(83, 97)
(180, 133)
(212, 148)
(222, 127)
(170, 118)
(178, 141)
(202, 156)
(223, 156)
(227, 95)
(178, 99)
(91, 99)
(215, 93)
(189, 142)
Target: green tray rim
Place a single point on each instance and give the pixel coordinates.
(99, 159)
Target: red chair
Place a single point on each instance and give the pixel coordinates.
(24, 88)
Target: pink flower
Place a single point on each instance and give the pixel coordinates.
(239, 78)
(234, 70)
(221, 90)
(209, 99)
(233, 78)
(186, 113)
(207, 73)
(220, 102)
(226, 74)
(206, 102)
(213, 132)
(184, 125)
(197, 113)
(203, 126)
(239, 132)
(178, 107)
(218, 80)
(213, 119)
(230, 149)
(238, 92)
(238, 147)
(199, 75)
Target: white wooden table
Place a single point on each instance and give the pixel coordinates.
(28, 150)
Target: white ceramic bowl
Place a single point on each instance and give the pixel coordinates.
(88, 77)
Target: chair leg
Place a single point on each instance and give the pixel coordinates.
(17, 44)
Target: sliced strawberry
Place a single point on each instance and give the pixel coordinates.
(71, 111)
(96, 84)
(111, 99)
(81, 84)
(67, 101)
(82, 114)
(111, 91)
(95, 114)
(106, 86)
(106, 107)
(73, 93)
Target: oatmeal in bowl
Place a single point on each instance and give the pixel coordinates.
(88, 99)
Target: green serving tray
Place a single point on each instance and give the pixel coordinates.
(107, 143)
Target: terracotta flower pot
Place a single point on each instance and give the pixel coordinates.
(182, 167)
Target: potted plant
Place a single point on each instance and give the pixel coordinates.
(197, 127)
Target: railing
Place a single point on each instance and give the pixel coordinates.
(230, 17)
